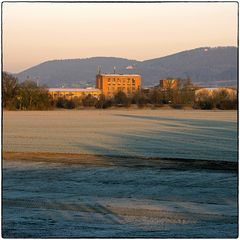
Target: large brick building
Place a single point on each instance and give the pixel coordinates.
(110, 84)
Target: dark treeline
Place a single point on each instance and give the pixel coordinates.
(28, 96)
(177, 99)
(24, 96)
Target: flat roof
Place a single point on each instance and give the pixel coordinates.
(74, 90)
(136, 75)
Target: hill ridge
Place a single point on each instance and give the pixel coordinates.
(205, 65)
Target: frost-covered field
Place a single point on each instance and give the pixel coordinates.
(43, 199)
(160, 133)
(54, 200)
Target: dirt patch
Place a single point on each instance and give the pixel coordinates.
(122, 161)
(65, 158)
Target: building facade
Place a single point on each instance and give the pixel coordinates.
(173, 83)
(110, 84)
(169, 83)
(71, 93)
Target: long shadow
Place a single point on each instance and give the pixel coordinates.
(186, 144)
(116, 158)
(193, 122)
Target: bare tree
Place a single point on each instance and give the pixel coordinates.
(10, 89)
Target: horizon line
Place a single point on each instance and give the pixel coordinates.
(84, 58)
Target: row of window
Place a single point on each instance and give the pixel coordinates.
(72, 94)
(114, 84)
(120, 80)
(121, 89)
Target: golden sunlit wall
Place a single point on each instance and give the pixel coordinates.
(70, 94)
(110, 84)
(169, 83)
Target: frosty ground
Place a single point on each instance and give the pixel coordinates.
(167, 133)
(53, 199)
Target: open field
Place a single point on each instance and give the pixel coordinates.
(188, 134)
(120, 173)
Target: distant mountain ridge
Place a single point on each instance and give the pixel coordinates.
(205, 66)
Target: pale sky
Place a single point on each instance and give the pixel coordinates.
(37, 32)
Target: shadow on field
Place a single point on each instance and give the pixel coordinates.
(189, 122)
(163, 163)
(180, 144)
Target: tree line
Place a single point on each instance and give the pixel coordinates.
(218, 98)
(24, 96)
(28, 96)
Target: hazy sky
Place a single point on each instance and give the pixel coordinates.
(37, 32)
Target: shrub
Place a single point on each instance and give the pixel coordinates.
(156, 96)
(227, 105)
(77, 102)
(60, 103)
(10, 89)
(225, 99)
(108, 103)
(69, 104)
(103, 102)
(177, 106)
(89, 101)
(121, 99)
(140, 99)
(205, 105)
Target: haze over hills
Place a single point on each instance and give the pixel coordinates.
(205, 66)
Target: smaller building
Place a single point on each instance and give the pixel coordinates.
(71, 93)
(173, 83)
(168, 83)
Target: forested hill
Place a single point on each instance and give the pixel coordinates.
(206, 66)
